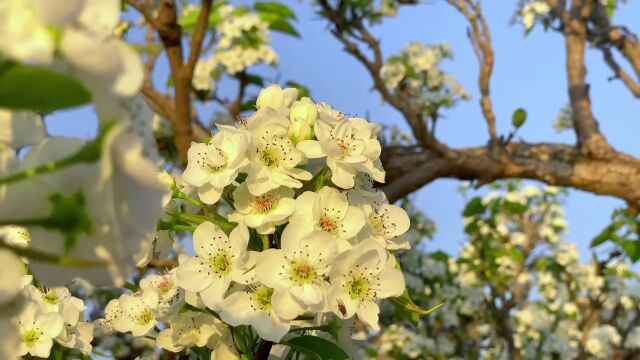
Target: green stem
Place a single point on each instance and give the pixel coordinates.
(131, 287)
(90, 152)
(184, 227)
(265, 241)
(45, 257)
(316, 183)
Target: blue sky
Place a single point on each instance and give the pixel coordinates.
(529, 73)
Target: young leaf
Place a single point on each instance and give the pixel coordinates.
(275, 8)
(519, 117)
(474, 207)
(24, 87)
(276, 23)
(303, 91)
(410, 316)
(317, 347)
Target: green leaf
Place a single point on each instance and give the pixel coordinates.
(510, 207)
(24, 87)
(303, 91)
(474, 207)
(410, 316)
(69, 216)
(518, 118)
(188, 22)
(632, 249)
(249, 105)
(611, 7)
(255, 79)
(275, 8)
(276, 23)
(317, 348)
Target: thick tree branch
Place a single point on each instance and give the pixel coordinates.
(554, 164)
(591, 141)
(179, 111)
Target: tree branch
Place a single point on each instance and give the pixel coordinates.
(179, 111)
(350, 32)
(591, 141)
(554, 164)
(619, 72)
(198, 36)
(480, 37)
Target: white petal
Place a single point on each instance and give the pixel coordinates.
(192, 275)
(368, 312)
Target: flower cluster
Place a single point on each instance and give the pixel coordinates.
(416, 73)
(516, 261)
(244, 41)
(77, 39)
(324, 240)
(533, 11)
(34, 318)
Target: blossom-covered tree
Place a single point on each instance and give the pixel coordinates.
(283, 228)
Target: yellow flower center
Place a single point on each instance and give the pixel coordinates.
(303, 273)
(144, 317)
(261, 297)
(31, 337)
(265, 203)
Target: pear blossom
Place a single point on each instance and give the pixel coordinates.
(361, 276)
(276, 98)
(170, 296)
(10, 277)
(37, 330)
(215, 165)
(532, 11)
(15, 235)
(58, 300)
(350, 147)
(114, 319)
(219, 260)
(137, 312)
(124, 180)
(80, 337)
(263, 212)
(329, 210)
(190, 329)
(20, 128)
(302, 262)
(254, 307)
(83, 37)
(302, 119)
(202, 74)
(273, 158)
(384, 222)
(234, 53)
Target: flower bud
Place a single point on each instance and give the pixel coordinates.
(304, 110)
(299, 130)
(272, 97)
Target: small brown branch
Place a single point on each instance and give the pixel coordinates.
(263, 350)
(143, 9)
(352, 33)
(619, 72)
(480, 37)
(198, 36)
